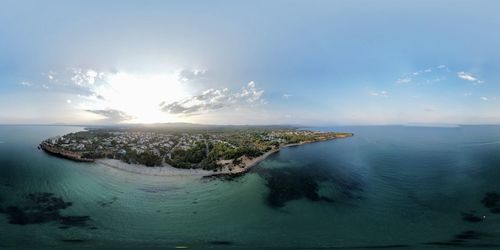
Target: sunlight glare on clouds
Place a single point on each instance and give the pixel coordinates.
(140, 94)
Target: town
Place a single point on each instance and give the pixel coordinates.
(209, 149)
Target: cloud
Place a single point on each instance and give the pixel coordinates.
(26, 84)
(83, 77)
(250, 93)
(382, 93)
(187, 75)
(403, 80)
(210, 99)
(469, 77)
(466, 76)
(214, 99)
(84, 82)
(484, 98)
(429, 75)
(286, 96)
(111, 115)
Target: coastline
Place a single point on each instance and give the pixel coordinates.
(229, 168)
(63, 153)
(165, 170)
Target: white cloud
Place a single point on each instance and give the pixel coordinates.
(484, 98)
(468, 77)
(403, 80)
(68, 101)
(83, 77)
(187, 75)
(467, 94)
(382, 93)
(442, 66)
(25, 83)
(111, 115)
(250, 93)
(286, 96)
(213, 99)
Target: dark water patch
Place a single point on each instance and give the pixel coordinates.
(385, 246)
(74, 221)
(232, 177)
(221, 242)
(107, 203)
(73, 240)
(393, 246)
(469, 235)
(491, 201)
(39, 208)
(495, 210)
(471, 217)
(464, 239)
(8, 185)
(293, 183)
(438, 243)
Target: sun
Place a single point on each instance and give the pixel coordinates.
(140, 95)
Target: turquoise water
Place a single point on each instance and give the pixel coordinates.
(386, 187)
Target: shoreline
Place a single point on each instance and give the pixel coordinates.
(165, 170)
(237, 170)
(63, 153)
(228, 170)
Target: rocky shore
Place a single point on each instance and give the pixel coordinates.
(64, 153)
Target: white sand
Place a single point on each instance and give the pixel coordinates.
(166, 170)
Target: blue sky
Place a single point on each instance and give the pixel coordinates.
(253, 62)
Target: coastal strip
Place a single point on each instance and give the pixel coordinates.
(206, 154)
(164, 170)
(74, 156)
(230, 169)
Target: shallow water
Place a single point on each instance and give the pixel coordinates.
(387, 187)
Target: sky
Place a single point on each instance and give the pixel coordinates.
(250, 62)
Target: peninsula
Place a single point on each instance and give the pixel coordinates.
(214, 150)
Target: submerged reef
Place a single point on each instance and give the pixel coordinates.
(39, 208)
(293, 183)
(464, 239)
(492, 201)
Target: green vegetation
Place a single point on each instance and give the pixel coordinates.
(188, 158)
(146, 158)
(190, 147)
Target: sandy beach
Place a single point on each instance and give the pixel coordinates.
(153, 171)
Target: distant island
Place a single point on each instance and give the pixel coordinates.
(213, 150)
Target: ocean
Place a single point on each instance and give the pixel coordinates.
(396, 187)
